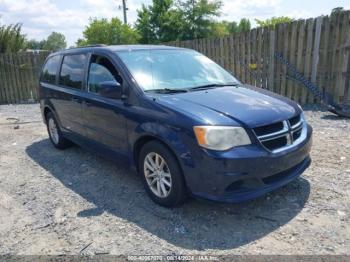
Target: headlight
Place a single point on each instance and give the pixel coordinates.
(221, 137)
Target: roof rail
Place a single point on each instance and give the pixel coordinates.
(97, 45)
(87, 46)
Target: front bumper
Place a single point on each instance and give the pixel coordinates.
(245, 172)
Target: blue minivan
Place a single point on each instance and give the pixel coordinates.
(188, 125)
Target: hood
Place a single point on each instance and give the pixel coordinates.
(250, 106)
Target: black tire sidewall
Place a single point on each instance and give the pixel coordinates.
(178, 190)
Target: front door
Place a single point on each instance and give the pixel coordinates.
(104, 117)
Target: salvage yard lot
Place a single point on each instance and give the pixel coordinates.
(73, 201)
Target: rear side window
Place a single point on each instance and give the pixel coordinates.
(72, 71)
(48, 74)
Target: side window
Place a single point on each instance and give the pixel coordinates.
(101, 70)
(48, 74)
(72, 71)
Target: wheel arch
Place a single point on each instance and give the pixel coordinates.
(141, 141)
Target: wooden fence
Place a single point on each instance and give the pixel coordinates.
(19, 76)
(318, 47)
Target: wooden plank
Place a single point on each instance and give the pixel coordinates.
(344, 56)
(19, 76)
(259, 62)
(4, 92)
(266, 46)
(217, 50)
(196, 45)
(27, 74)
(15, 78)
(316, 50)
(300, 58)
(253, 56)
(207, 44)
(243, 60)
(248, 59)
(292, 55)
(200, 45)
(231, 54)
(337, 64)
(227, 53)
(278, 65)
(271, 69)
(212, 48)
(237, 57)
(335, 29)
(34, 58)
(308, 57)
(24, 76)
(207, 47)
(286, 37)
(221, 51)
(3, 87)
(323, 71)
(346, 71)
(9, 78)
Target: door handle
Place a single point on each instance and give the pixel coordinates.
(87, 103)
(77, 100)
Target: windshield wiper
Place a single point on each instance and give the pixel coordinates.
(207, 86)
(167, 90)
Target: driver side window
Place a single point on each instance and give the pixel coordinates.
(101, 70)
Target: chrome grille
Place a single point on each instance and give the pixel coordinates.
(279, 136)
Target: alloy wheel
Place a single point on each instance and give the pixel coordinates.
(53, 131)
(157, 174)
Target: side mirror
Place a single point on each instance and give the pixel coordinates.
(111, 89)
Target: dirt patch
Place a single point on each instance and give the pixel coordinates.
(72, 201)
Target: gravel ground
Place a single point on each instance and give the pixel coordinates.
(72, 201)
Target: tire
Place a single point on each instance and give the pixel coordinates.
(56, 137)
(170, 172)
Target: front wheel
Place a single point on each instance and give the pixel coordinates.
(161, 175)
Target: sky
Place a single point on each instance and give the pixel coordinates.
(41, 17)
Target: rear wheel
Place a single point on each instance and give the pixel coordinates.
(162, 175)
(55, 134)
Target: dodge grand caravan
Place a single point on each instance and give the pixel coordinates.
(188, 126)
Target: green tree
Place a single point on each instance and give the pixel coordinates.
(110, 32)
(337, 10)
(219, 29)
(272, 22)
(55, 41)
(232, 27)
(143, 25)
(225, 28)
(159, 22)
(198, 18)
(244, 25)
(11, 38)
(35, 44)
(169, 20)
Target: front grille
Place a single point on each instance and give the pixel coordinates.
(294, 120)
(279, 135)
(276, 143)
(263, 130)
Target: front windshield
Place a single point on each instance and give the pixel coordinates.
(174, 69)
